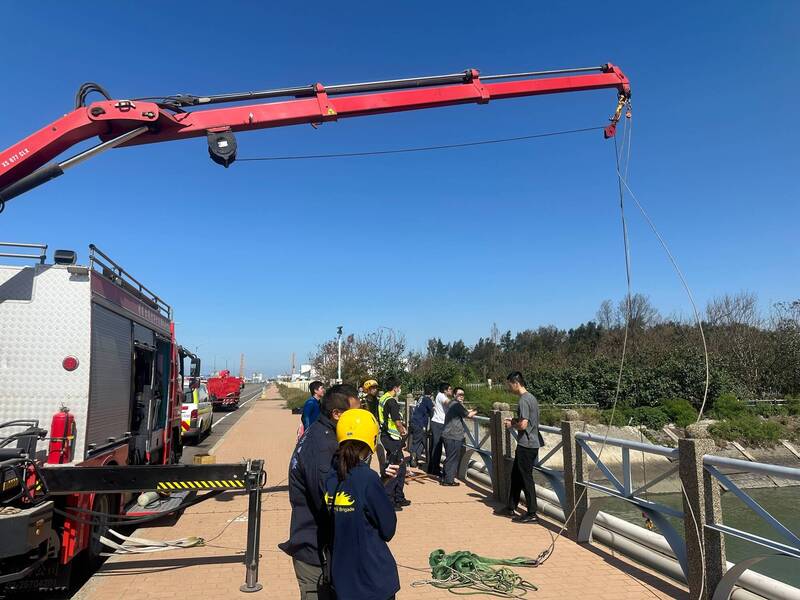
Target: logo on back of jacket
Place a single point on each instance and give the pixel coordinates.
(342, 503)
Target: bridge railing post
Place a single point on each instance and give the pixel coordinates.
(575, 473)
(705, 549)
(501, 452)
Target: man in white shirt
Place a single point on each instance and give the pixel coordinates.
(437, 425)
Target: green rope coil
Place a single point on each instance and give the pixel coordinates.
(465, 573)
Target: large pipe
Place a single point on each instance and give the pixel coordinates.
(649, 548)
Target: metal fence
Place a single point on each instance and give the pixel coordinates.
(692, 553)
(674, 551)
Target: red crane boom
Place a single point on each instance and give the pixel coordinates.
(23, 165)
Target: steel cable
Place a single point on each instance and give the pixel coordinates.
(422, 148)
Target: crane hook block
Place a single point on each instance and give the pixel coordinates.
(222, 147)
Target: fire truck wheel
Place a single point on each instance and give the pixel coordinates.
(102, 504)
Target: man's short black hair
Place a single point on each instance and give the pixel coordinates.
(516, 377)
(315, 385)
(455, 390)
(427, 389)
(338, 398)
(443, 387)
(392, 383)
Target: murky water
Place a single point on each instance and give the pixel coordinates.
(782, 503)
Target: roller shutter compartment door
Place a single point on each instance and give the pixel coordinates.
(110, 387)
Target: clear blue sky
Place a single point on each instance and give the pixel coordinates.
(267, 258)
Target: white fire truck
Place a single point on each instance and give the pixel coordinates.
(90, 375)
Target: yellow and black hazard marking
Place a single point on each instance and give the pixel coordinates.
(221, 484)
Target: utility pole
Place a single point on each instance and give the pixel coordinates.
(241, 366)
(339, 335)
(292, 363)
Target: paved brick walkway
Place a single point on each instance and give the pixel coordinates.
(449, 518)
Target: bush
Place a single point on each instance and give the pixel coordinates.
(622, 416)
(550, 415)
(294, 398)
(750, 429)
(793, 407)
(649, 416)
(728, 406)
(767, 409)
(483, 398)
(680, 411)
(591, 416)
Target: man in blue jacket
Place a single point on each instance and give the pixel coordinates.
(308, 468)
(311, 409)
(419, 426)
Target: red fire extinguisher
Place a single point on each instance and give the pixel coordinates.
(62, 437)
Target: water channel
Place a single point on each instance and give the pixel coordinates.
(782, 503)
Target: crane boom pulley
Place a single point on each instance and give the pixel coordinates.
(118, 123)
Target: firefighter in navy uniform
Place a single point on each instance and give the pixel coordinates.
(308, 469)
(361, 516)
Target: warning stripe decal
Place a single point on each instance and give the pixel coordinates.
(194, 485)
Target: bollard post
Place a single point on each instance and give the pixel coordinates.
(575, 473)
(252, 553)
(705, 553)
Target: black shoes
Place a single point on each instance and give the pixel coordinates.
(404, 502)
(504, 512)
(526, 518)
(451, 484)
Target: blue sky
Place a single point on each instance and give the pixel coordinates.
(267, 258)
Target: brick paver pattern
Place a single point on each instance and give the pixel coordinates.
(440, 517)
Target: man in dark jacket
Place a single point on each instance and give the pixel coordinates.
(419, 426)
(309, 467)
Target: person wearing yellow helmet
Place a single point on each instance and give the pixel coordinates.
(361, 518)
(371, 400)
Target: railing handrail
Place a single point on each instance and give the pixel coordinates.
(123, 275)
(550, 429)
(791, 473)
(41, 257)
(610, 441)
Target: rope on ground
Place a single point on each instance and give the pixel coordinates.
(467, 574)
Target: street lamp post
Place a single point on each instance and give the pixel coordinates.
(339, 334)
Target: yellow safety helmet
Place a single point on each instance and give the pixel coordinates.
(358, 424)
(369, 383)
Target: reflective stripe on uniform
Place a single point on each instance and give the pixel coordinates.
(388, 424)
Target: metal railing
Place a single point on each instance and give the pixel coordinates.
(555, 477)
(41, 256)
(475, 442)
(623, 490)
(117, 274)
(712, 465)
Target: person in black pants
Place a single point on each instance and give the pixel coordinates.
(440, 405)
(418, 427)
(529, 440)
(453, 436)
(393, 431)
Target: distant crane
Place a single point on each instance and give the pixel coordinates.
(241, 366)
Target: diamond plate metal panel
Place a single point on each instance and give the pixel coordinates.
(45, 316)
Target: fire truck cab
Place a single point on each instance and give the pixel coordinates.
(89, 376)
